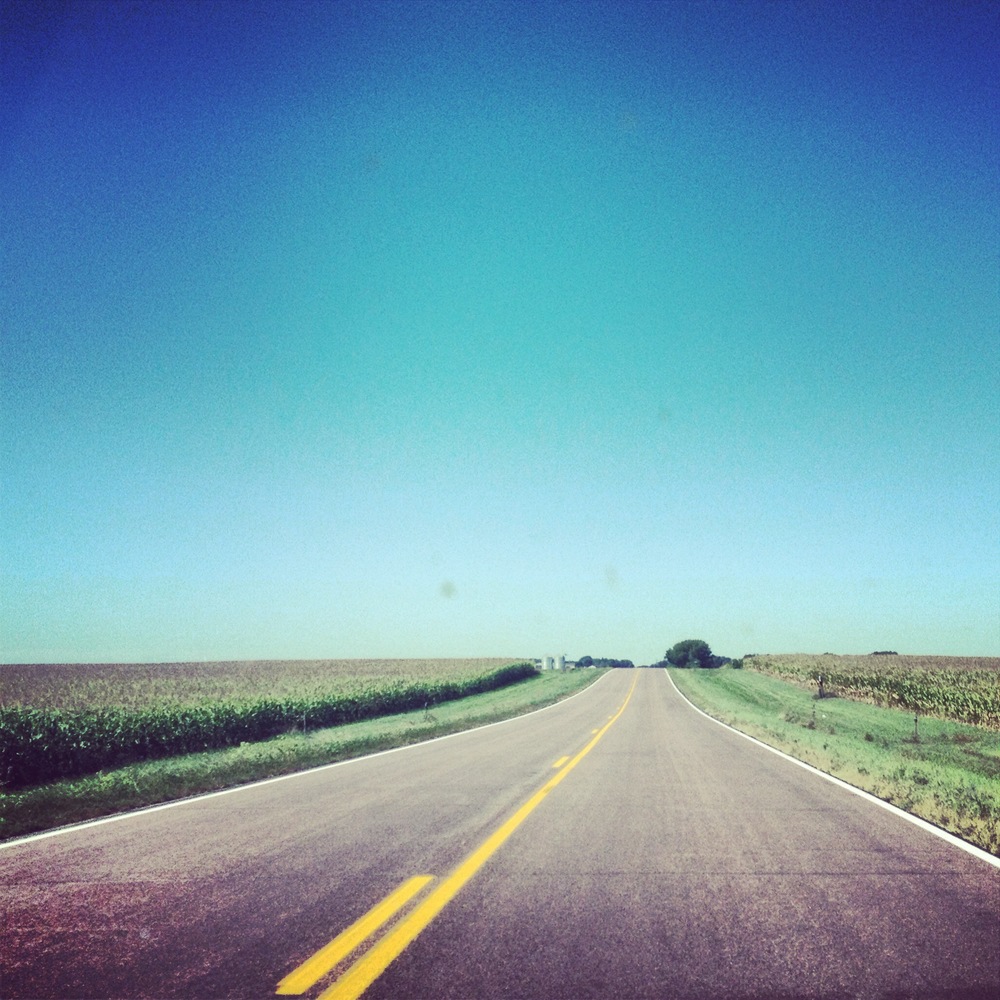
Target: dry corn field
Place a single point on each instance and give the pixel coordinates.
(134, 686)
(962, 688)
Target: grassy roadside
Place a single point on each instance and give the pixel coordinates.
(949, 774)
(64, 802)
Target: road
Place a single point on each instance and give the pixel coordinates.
(616, 845)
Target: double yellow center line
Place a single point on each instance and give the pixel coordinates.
(383, 952)
(314, 969)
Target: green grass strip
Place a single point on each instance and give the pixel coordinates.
(144, 784)
(945, 772)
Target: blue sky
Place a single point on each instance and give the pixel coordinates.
(422, 329)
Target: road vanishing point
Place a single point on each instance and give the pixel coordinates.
(617, 845)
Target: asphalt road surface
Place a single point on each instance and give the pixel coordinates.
(616, 845)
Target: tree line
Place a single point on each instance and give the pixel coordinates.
(603, 661)
(686, 653)
(694, 653)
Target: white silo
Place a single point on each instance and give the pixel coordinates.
(546, 663)
(561, 661)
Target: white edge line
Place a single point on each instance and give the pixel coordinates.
(146, 810)
(976, 852)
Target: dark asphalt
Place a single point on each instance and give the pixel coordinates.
(675, 860)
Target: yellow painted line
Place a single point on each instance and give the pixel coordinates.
(312, 970)
(595, 730)
(560, 762)
(384, 952)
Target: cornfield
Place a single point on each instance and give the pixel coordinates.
(63, 721)
(964, 689)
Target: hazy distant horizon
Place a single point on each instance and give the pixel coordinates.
(419, 329)
(571, 660)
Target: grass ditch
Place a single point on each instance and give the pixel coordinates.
(148, 783)
(945, 772)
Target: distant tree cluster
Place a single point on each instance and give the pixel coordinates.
(692, 653)
(603, 661)
(885, 652)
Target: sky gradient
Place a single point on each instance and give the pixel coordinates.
(487, 329)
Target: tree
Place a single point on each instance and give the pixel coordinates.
(690, 653)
